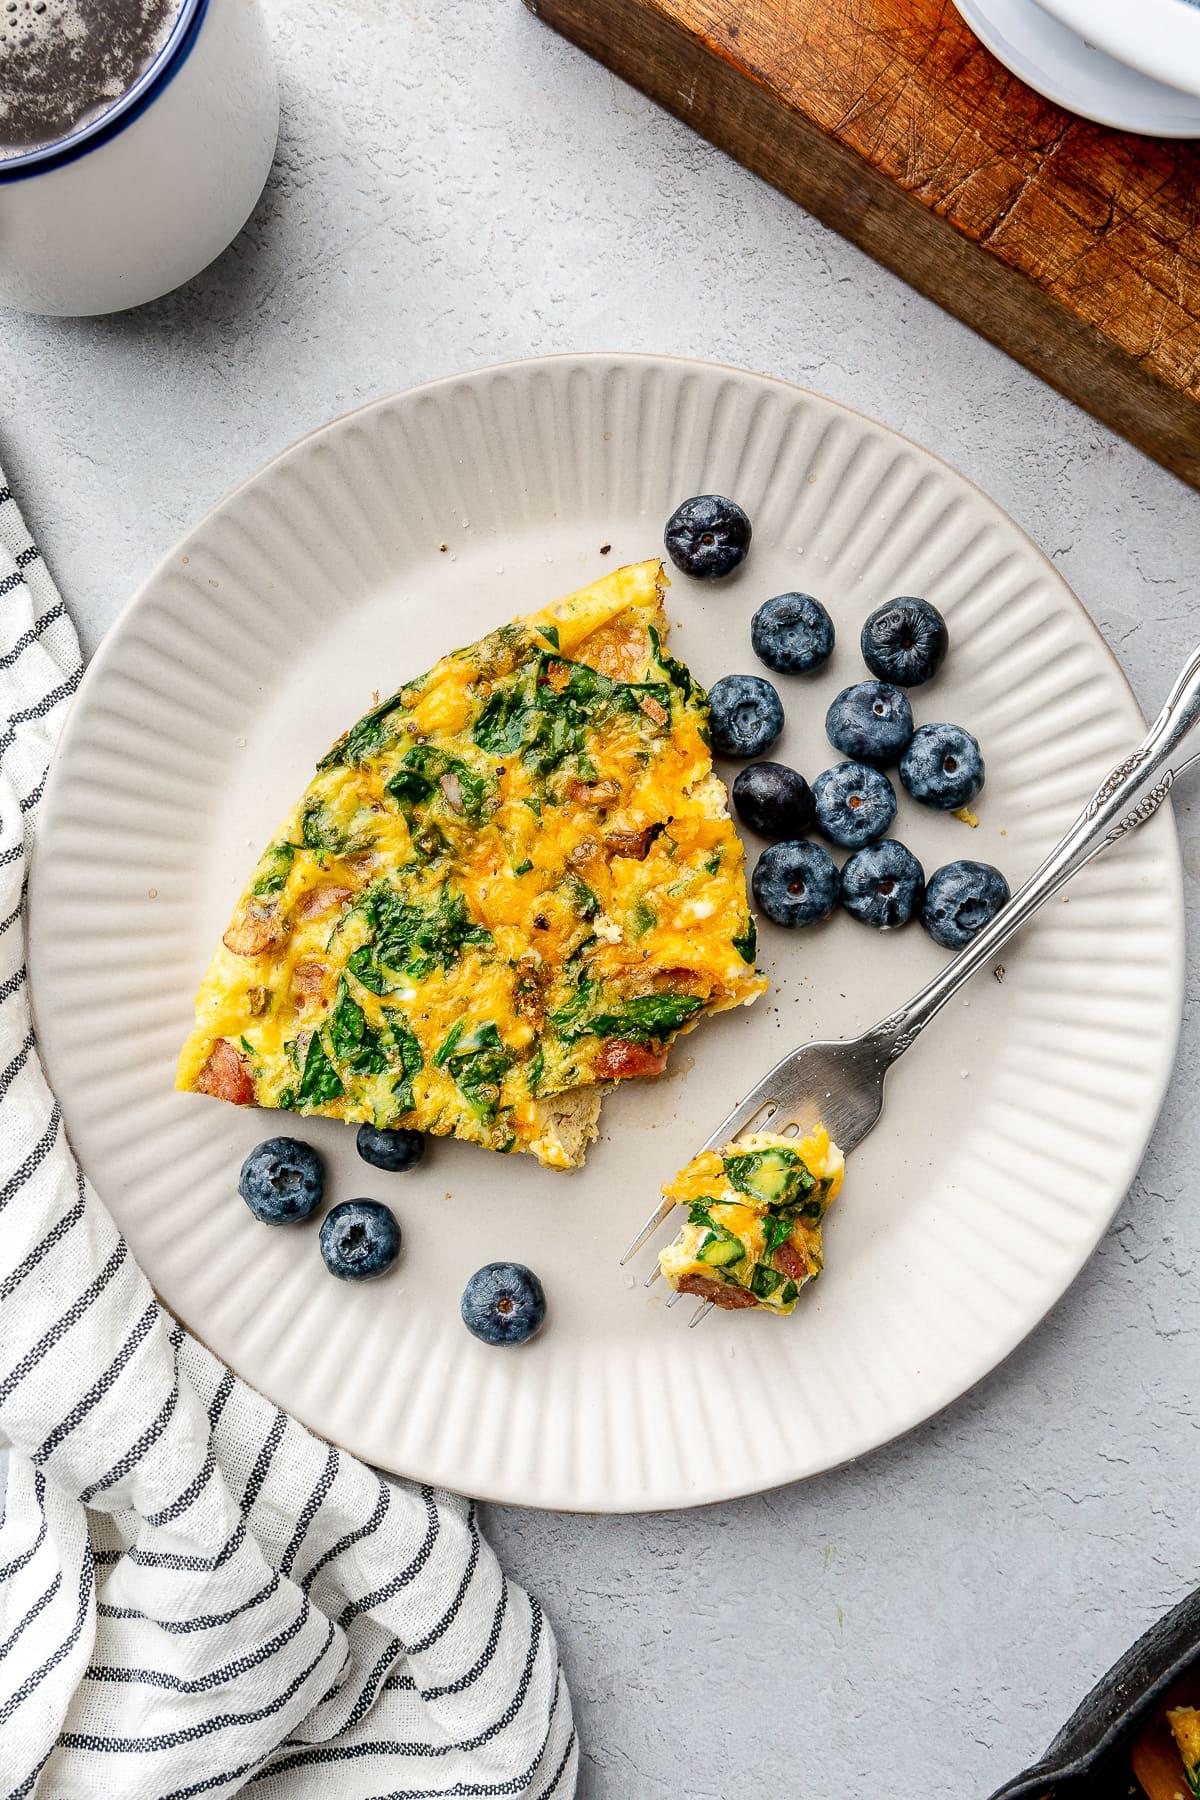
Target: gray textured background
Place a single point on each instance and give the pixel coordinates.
(455, 185)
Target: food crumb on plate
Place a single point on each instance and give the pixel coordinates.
(968, 817)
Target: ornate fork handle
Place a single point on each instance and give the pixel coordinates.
(1144, 778)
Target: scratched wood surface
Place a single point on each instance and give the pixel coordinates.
(1075, 248)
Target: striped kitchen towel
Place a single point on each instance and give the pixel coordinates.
(197, 1596)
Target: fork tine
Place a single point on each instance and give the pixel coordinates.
(657, 1218)
(676, 1297)
(701, 1312)
(653, 1276)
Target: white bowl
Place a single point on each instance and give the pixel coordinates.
(1160, 38)
(1073, 71)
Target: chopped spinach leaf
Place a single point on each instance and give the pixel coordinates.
(535, 1071)
(364, 739)
(764, 1280)
(415, 937)
(478, 1066)
(321, 834)
(504, 723)
(523, 867)
(746, 942)
(362, 965)
(584, 900)
(550, 633)
(642, 919)
(445, 1049)
(650, 1016)
(775, 1176)
(412, 1061)
(275, 867)
(777, 1228)
(320, 1082)
(356, 1045)
(425, 774)
(286, 1101)
(567, 1021)
(676, 672)
(410, 788)
(571, 701)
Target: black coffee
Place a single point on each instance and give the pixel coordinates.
(66, 62)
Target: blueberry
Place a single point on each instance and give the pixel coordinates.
(871, 722)
(905, 641)
(503, 1303)
(882, 885)
(282, 1180)
(959, 901)
(390, 1150)
(792, 633)
(942, 767)
(359, 1240)
(796, 884)
(855, 804)
(707, 536)
(773, 800)
(745, 715)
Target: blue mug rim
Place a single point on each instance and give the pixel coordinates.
(146, 89)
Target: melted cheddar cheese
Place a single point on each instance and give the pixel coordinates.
(753, 1231)
(513, 880)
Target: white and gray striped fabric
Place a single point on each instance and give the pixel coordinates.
(197, 1596)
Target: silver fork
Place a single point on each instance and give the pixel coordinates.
(840, 1081)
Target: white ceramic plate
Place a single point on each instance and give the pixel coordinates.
(1010, 1133)
(1073, 71)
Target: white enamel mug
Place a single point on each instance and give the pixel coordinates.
(141, 199)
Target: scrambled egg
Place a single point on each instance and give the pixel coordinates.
(1166, 1756)
(514, 880)
(753, 1233)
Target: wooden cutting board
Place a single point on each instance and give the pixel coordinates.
(1074, 247)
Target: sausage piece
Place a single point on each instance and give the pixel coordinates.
(225, 1075)
(788, 1260)
(621, 1059)
(721, 1293)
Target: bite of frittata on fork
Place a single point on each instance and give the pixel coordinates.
(752, 1237)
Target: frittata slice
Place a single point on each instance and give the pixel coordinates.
(1166, 1754)
(1184, 1722)
(513, 882)
(753, 1231)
